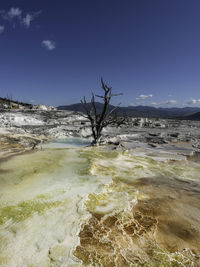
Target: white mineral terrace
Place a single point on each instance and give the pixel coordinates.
(48, 195)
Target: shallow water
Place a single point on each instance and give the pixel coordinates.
(70, 142)
(87, 207)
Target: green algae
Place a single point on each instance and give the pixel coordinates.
(25, 209)
(98, 153)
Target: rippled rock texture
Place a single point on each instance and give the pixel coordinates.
(159, 227)
(154, 232)
(133, 202)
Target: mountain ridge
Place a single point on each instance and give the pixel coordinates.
(141, 111)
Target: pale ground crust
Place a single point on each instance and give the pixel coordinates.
(129, 203)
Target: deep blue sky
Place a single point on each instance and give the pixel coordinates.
(140, 47)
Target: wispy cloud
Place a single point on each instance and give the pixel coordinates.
(26, 21)
(193, 101)
(168, 102)
(142, 97)
(15, 13)
(49, 44)
(2, 28)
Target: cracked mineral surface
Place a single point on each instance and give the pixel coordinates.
(133, 201)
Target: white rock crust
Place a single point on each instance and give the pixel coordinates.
(53, 124)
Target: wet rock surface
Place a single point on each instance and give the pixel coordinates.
(143, 209)
(29, 128)
(160, 227)
(145, 235)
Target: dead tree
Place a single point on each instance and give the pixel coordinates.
(99, 120)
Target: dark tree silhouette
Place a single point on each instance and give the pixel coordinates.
(99, 120)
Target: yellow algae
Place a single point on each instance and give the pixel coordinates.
(25, 209)
(128, 210)
(41, 197)
(95, 153)
(31, 175)
(28, 166)
(125, 166)
(130, 223)
(58, 253)
(90, 156)
(116, 196)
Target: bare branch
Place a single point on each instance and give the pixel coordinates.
(94, 107)
(113, 110)
(116, 94)
(103, 84)
(100, 96)
(85, 106)
(99, 121)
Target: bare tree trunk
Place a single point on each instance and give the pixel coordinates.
(101, 120)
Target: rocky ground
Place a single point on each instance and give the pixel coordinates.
(25, 129)
(128, 202)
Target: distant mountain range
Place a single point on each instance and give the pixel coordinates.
(190, 113)
(186, 113)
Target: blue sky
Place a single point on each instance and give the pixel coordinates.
(54, 52)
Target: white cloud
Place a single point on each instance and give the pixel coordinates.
(49, 45)
(14, 12)
(26, 21)
(2, 28)
(142, 97)
(193, 101)
(11, 14)
(168, 102)
(154, 103)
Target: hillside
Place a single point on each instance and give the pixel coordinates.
(9, 104)
(6, 103)
(194, 116)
